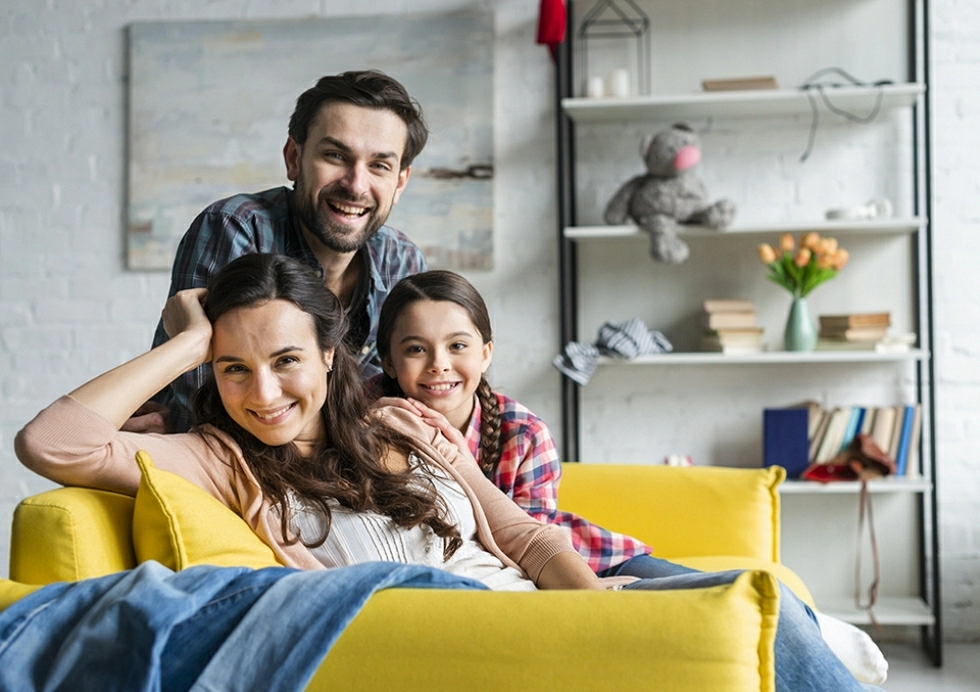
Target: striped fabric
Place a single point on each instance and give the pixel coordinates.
(529, 473)
(622, 340)
(261, 223)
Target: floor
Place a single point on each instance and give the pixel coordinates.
(910, 671)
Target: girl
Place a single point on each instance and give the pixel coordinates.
(436, 344)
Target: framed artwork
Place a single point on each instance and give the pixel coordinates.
(209, 106)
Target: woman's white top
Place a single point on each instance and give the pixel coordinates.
(357, 537)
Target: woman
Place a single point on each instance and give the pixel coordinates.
(285, 440)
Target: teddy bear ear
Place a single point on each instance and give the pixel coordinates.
(645, 146)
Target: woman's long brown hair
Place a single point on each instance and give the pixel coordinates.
(347, 465)
(441, 285)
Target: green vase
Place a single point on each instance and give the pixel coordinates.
(800, 334)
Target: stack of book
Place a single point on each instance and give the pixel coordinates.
(861, 331)
(729, 327)
(896, 430)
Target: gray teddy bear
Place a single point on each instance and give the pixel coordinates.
(669, 194)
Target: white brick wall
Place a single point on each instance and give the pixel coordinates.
(69, 309)
(956, 181)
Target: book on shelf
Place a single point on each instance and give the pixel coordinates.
(900, 343)
(865, 319)
(830, 444)
(896, 440)
(784, 439)
(912, 467)
(850, 334)
(740, 83)
(867, 423)
(816, 437)
(713, 305)
(731, 349)
(884, 424)
(853, 427)
(911, 430)
(735, 335)
(814, 413)
(743, 340)
(729, 320)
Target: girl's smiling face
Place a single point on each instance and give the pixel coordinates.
(271, 372)
(438, 357)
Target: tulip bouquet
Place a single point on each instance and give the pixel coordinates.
(800, 270)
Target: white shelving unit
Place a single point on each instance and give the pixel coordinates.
(764, 358)
(598, 256)
(735, 104)
(878, 226)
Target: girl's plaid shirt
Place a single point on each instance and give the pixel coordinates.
(529, 473)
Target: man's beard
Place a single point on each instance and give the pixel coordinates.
(333, 235)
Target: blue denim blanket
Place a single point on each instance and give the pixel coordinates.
(204, 629)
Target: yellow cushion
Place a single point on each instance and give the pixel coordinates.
(642, 640)
(179, 525)
(12, 591)
(721, 563)
(680, 511)
(69, 534)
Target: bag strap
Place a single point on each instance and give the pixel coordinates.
(864, 504)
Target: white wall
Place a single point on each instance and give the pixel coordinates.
(69, 309)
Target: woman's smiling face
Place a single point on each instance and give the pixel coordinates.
(271, 373)
(438, 357)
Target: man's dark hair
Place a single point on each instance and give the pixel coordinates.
(368, 89)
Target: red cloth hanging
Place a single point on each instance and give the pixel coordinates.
(552, 18)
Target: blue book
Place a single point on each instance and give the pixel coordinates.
(902, 456)
(784, 439)
(853, 426)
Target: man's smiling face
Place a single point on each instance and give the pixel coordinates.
(348, 173)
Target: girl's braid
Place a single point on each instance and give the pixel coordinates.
(489, 428)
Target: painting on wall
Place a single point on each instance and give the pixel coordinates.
(210, 103)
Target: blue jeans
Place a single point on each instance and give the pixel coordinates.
(804, 662)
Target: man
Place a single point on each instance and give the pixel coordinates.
(352, 140)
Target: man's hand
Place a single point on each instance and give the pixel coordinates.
(151, 417)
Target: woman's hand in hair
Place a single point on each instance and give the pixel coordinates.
(184, 314)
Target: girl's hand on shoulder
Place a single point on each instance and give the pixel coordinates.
(440, 423)
(184, 314)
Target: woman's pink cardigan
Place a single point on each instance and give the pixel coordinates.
(72, 445)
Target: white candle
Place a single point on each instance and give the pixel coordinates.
(618, 83)
(594, 88)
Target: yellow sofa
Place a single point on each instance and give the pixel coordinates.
(416, 639)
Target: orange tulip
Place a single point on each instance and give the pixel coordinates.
(802, 257)
(839, 259)
(766, 253)
(825, 261)
(786, 242)
(811, 240)
(828, 246)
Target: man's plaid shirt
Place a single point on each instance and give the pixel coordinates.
(263, 223)
(529, 473)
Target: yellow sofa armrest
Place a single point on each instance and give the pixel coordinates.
(680, 512)
(69, 534)
(718, 639)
